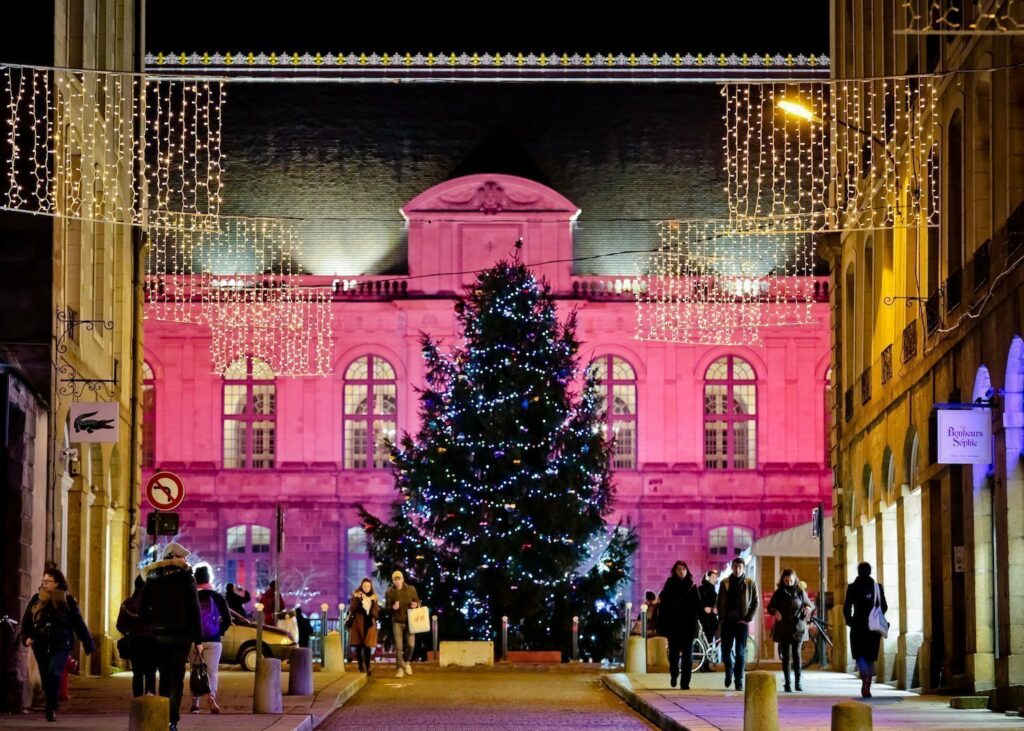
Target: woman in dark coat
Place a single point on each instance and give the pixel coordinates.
(363, 611)
(238, 597)
(864, 643)
(49, 627)
(677, 620)
(791, 608)
(140, 639)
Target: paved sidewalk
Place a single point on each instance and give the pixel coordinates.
(708, 705)
(101, 704)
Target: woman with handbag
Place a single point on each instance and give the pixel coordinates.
(363, 611)
(49, 626)
(864, 611)
(215, 619)
(791, 608)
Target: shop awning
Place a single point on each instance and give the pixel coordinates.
(794, 542)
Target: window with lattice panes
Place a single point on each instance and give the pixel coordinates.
(247, 550)
(730, 415)
(617, 389)
(249, 415)
(369, 409)
(728, 542)
(357, 558)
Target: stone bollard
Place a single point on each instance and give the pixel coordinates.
(760, 702)
(851, 716)
(266, 692)
(149, 713)
(300, 672)
(657, 654)
(636, 658)
(333, 653)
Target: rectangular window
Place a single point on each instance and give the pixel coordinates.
(383, 431)
(624, 399)
(236, 539)
(744, 444)
(355, 445)
(716, 450)
(355, 398)
(718, 541)
(234, 443)
(384, 399)
(235, 398)
(263, 438)
(624, 455)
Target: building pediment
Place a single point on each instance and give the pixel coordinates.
(489, 195)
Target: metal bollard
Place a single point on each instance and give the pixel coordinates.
(259, 635)
(504, 638)
(625, 635)
(341, 630)
(576, 639)
(323, 634)
(433, 632)
(643, 621)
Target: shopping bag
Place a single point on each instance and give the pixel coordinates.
(419, 620)
(876, 618)
(199, 676)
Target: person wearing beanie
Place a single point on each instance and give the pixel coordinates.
(170, 604)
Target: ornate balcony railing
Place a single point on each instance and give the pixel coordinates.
(865, 385)
(909, 341)
(887, 364)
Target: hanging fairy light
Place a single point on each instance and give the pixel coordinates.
(290, 328)
(109, 146)
(974, 17)
(716, 282)
(835, 155)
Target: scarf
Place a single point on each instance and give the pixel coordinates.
(58, 599)
(368, 602)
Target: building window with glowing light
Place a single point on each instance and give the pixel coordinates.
(728, 542)
(730, 415)
(248, 556)
(250, 415)
(148, 416)
(618, 389)
(370, 408)
(357, 557)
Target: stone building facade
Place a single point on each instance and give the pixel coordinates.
(927, 316)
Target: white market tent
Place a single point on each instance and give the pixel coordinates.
(793, 542)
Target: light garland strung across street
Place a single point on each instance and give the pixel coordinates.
(973, 17)
(714, 281)
(109, 146)
(836, 155)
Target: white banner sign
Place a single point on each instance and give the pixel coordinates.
(965, 436)
(94, 422)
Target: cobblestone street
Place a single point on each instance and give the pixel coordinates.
(491, 700)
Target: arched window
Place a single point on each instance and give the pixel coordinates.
(250, 408)
(370, 407)
(728, 542)
(618, 389)
(730, 415)
(357, 558)
(248, 557)
(148, 416)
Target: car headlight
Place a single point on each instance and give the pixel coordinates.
(287, 641)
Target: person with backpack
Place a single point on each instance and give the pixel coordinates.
(215, 619)
(141, 647)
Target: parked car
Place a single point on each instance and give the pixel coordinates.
(239, 643)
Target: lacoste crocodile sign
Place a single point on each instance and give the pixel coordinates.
(94, 422)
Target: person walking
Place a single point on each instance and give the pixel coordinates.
(142, 646)
(863, 595)
(708, 591)
(399, 599)
(170, 603)
(51, 622)
(237, 597)
(215, 618)
(791, 608)
(363, 611)
(304, 625)
(737, 607)
(677, 620)
(267, 600)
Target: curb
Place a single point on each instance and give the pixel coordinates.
(320, 711)
(620, 685)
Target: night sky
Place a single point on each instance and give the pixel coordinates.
(742, 26)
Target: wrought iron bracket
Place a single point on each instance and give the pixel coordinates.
(73, 383)
(890, 300)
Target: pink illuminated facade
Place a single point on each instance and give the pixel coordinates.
(716, 446)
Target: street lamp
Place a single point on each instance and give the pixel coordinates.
(796, 108)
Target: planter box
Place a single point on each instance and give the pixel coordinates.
(547, 656)
(466, 654)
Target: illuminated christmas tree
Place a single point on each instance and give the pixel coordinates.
(505, 489)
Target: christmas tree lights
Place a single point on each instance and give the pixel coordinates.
(504, 491)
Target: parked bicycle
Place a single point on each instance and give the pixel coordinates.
(711, 652)
(809, 652)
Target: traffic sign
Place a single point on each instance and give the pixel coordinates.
(165, 491)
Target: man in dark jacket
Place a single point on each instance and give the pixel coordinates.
(737, 607)
(398, 600)
(170, 604)
(708, 591)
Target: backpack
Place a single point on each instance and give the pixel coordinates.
(209, 615)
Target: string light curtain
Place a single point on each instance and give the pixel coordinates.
(967, 17)
(109, 146)
(836, 155)
(716, 282)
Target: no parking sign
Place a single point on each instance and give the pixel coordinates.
(165, 491)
